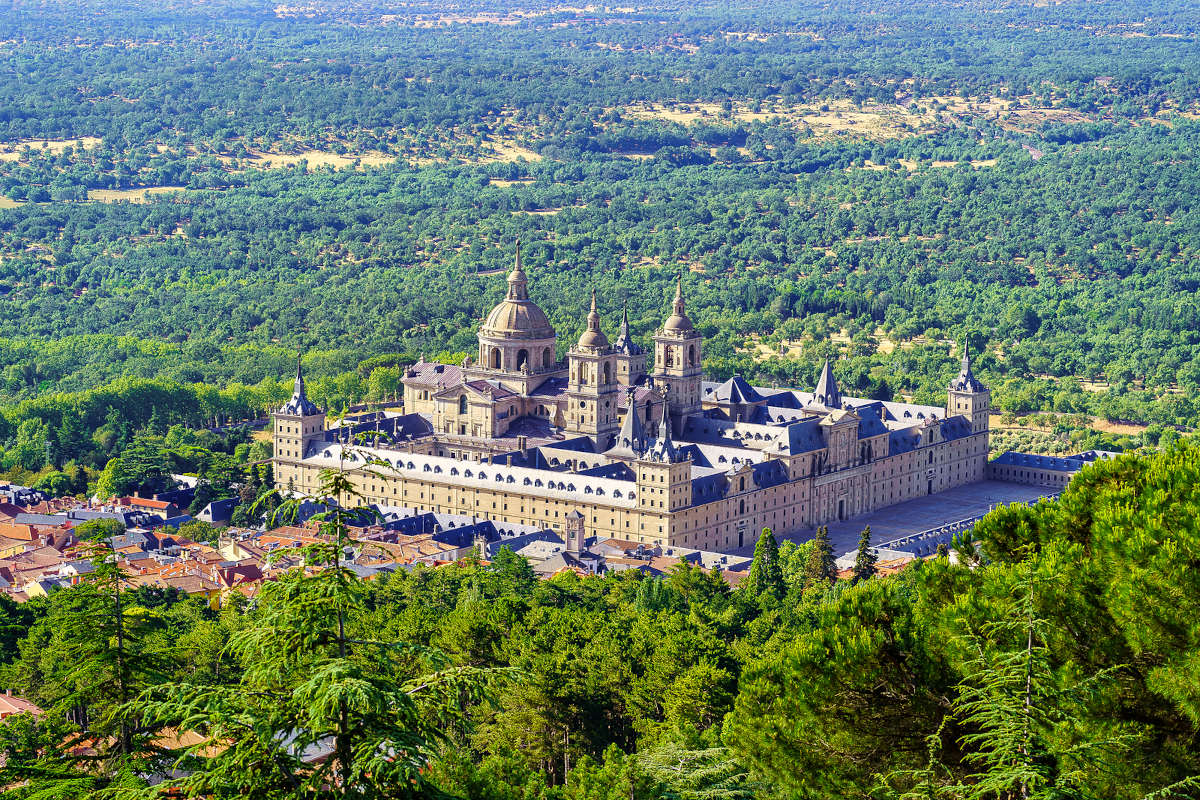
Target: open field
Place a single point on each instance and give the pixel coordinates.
(315, 159)
(841, 118)
(11, 151)
(130, 195)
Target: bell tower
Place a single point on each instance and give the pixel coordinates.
(677, 354)
(592, 388)
(296, 424)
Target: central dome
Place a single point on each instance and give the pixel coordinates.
(516, 316)
(518, 319)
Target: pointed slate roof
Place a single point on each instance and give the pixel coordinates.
(631, 441)
(827, 393)
(624, 342)
(737, 390)
(299, 405)
(663, 450)
(966, 380)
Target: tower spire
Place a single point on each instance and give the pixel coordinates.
(624, 341)
(631, 441)
(966, 380)
(299, 404)
(593, 337)
(827, 393)
(678, 322)
(664, 449)
(518, 284)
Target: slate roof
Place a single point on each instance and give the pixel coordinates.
(827, 393)
(429, 374)
(1054, 463)
(736, 390)
(966, 380)
(625, 343)
(494, 389)
(299, 405)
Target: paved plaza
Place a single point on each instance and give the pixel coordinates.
(906, 520)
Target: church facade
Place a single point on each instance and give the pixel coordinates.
(646, 452)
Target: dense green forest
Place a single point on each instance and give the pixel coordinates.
(873, 182)
(1056, 658)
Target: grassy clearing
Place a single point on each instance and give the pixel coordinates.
(315, 159)
(841, 118)
(130, 195)
(11, 151)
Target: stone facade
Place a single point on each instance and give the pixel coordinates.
(662, 457)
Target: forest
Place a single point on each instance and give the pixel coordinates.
(192, 193)
(1055, 656)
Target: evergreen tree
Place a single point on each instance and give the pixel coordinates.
(821, 568)
(765, 580)
(318, 712)
(865, 560)
(93, 656)
(704, 774)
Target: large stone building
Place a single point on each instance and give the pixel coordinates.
(656, 455)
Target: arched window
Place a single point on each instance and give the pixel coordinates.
(462, 404)
(607, 373)
(522, 358)
(669, 356)
(495, 358)
(547, 358)
(649, 409)
(691, 355)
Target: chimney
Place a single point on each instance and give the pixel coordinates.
(523, 446)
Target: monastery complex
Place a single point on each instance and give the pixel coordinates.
(646, 452)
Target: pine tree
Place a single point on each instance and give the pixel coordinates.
(822, 567)
(310, 686)
(865, 560)
(766, 575)
(96, 657)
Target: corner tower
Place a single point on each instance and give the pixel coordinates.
(296, 424)
(677, 354)
(968, 397)
(592, 384)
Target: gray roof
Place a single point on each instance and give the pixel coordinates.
(827, 393)
(737, 390)
(632, 441)
(966, 380)
(625, 343)
(299, 405)
(1032, 461)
